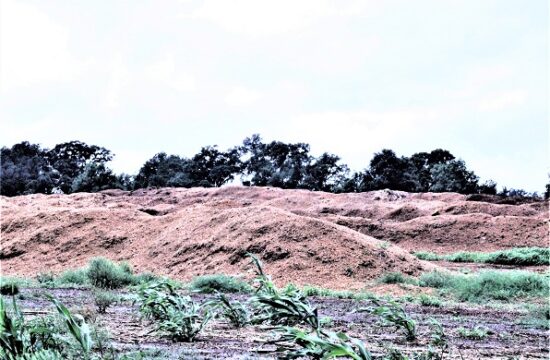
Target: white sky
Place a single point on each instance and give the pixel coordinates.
(348, 77)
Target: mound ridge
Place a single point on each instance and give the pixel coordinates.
(329, 240)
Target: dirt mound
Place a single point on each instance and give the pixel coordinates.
(302, 236)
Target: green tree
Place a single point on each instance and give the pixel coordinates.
(453, 177)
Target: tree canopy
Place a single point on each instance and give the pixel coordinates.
(76, 166)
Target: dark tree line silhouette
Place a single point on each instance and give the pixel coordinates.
(78, 167)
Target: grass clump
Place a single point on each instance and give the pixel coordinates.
(73, 277)
(395, 278)
(489, 285)
(427, 300)
(104, 299)
(517, 256)
(103, 273)
(475, 333)
(220, 283)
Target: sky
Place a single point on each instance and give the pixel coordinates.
(348, 77)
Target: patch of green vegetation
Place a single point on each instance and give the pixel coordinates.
(489, 285)
(427, 300)
(517, 256)
(73, 277)
(396, 278)
(538, 316)
(475, 333)
(104, 273)
(104, 299)
(220, 283)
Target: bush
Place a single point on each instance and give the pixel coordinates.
(221, 283)
(105, 274)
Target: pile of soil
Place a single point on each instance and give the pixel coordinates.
(302, 237)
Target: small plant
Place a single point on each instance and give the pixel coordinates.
(177, 317)
(219, 283)
(76, 325)
(104, 299)
(73, 277)
(392, 278)
(296, 344)
(286, 307)
(475, 333)
(392, 313)
(236, 312)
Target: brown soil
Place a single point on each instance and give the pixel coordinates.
(303, 237)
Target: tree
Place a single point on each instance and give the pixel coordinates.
(325, 174)
(163, 170)
(211, 167)
(25, 170)
(94, 178)
(453, 177)
(69, 159)
(389, 171)
(424, 162)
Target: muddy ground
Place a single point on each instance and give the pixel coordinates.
(510, 336)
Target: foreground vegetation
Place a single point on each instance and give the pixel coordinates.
(299, 329)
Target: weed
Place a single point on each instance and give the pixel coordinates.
(104, 299)
(219, 283)
(436, 279)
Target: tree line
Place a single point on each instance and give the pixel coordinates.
(78, 167)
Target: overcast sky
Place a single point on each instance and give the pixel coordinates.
(347, 77)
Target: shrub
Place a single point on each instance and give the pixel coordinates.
(220, 283)
(46, 279)
(105, 274)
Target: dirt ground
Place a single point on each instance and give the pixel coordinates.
(508, 335)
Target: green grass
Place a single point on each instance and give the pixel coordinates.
(396, 278)
(220, 283)
(517, 256)
(489, 285)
